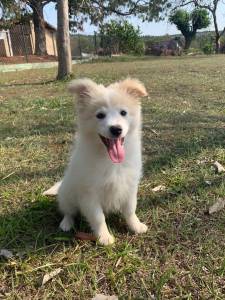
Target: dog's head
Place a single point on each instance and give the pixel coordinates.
(109, 113)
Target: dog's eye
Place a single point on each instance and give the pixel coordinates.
(100, 115)
(123, 113)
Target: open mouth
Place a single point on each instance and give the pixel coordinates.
(115, 148)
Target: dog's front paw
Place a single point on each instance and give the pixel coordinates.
(67, 223)
(106, 239)
(140, 228)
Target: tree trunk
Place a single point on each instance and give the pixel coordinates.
(39, 28)
(217, 42)
(217, 33)
(188, 40)
(63, 41)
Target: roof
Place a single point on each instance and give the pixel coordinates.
(49, 26)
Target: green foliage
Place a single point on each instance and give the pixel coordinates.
(97, 11)
(10, 13)
(200, 19)
(208, 48)
(181, 19)
(189, 23)
(139, 48)
(125, 35)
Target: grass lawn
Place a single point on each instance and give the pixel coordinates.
(182, 256)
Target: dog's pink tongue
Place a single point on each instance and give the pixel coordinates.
(116, 150)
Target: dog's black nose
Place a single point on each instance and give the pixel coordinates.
(116, 130)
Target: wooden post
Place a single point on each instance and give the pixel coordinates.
(24, 42)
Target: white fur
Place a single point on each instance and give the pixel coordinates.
(93, 184)
(53, 191)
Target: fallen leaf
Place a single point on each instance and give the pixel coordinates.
(154, 131)
(50, 275)
(6, 253)
(85, 236)
(8, 175)
(208, 182)
(118, 262)
(219, 168)
(217, 206)
(9, 138)
(203, 161)
(62, 238)
(104, 297)
(159, 188)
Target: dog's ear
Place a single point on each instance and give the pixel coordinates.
(132, 87)
(83, 88)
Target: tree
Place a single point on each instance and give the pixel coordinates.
(63, 40)
(189, 23)
(14, 11)
(123, 36)
(96, 11)
(37, 7)
(10, 12)
(212, 7)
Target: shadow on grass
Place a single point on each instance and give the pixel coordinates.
(29, 83)
(36, 225)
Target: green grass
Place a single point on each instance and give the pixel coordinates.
(182, 255)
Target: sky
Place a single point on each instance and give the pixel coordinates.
(147, 28)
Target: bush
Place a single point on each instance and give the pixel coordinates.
(139, 48)
(122, 37)
(208, 48)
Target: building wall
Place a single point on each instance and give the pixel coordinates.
(51, 42)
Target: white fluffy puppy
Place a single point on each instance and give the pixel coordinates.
(105, 167)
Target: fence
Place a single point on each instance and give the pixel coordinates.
(97, 44)
(17, 45)
(16, 42)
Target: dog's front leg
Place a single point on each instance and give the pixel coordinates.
(96, 218)
(129, 213)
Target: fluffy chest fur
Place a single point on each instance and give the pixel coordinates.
(94, 174)
(116, 187)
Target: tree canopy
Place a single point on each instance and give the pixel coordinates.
(211, 6)
(96, 11)
(189, 23)
(122, 36)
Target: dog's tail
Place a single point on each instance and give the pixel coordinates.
(53, 191)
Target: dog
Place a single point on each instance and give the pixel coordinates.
(106, 166)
